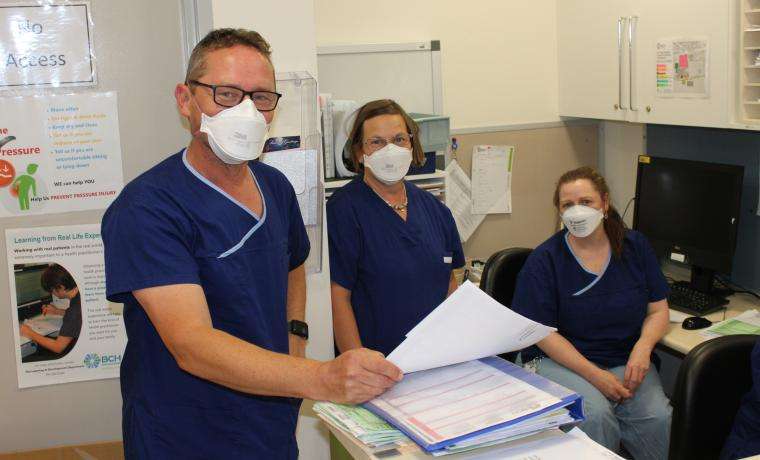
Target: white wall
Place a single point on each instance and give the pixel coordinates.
(143, 70)
(499, 57)
(620, 146)
(288, 25)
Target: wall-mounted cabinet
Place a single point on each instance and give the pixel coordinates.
(749, 90)
(608, 60)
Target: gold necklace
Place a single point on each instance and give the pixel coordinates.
(395, 207)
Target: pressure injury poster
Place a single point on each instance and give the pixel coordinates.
(59, 153)
(64, 329)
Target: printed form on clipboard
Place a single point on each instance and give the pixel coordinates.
(455, 395)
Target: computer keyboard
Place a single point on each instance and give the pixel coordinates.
(694, 302)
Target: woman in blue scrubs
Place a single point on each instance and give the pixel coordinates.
(392, 245)
(601, 286)
(744, 439)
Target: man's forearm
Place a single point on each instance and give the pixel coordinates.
(221, 358)
(296, 303)
(296, 308)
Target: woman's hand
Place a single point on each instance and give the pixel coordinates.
(25, 331)
(637, 367)
(607, 383)
(48, 309)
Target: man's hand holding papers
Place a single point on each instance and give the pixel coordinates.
(362, 374)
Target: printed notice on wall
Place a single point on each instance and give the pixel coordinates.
(59, 153)
(64, 329)
(492, 179)
(46, 45)
(683, 68)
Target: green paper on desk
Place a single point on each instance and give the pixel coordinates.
(361, 423)
(746, 323)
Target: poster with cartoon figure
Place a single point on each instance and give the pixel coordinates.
(64, 328)
(59, 153)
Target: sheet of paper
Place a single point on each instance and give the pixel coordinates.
(682, 67)
(492, 179)
(745, 323)
(59, 153)
(360, 423)
(458, 199)
(549, 445)
(483, 327)
(510, 433)
(43, 325)
(452, 401)
(677, 316)
(300, 167)
(78, 249)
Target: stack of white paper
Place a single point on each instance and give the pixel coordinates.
(474, 404)
(468, 325)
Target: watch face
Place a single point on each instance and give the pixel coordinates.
(299, 328)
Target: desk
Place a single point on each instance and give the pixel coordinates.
(545, 443)
(45, 325)
(679, 341)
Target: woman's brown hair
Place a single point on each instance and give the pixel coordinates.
(614, 226)
(372, 110)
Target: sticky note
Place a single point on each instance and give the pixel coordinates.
(683, 60)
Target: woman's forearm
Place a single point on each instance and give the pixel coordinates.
(655, 324)
(561, 351)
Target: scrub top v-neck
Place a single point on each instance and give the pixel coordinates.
(397, 271)
(172, 226)
(601, 314)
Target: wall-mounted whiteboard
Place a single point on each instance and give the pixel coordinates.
(409, 73)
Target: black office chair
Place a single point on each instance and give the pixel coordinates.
(711, 381)
(500, 277)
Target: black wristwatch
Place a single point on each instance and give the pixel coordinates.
(299, 328)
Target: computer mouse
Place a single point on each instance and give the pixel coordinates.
(696, 322)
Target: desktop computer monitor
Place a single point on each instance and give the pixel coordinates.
(689, 211)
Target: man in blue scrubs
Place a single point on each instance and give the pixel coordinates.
(206, 251)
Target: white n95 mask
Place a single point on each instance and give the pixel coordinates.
(236, 134)
(581, 221)
(389, 164)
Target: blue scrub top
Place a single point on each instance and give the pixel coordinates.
(744, 439)
(397, 271)
(600, 314)
(173, 226)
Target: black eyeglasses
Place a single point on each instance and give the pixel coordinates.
(230, 96)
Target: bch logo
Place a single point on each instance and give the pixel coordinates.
(110, 359)
(91, 360)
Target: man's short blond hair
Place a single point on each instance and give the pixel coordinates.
(220, 39)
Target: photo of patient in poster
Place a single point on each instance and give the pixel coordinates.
(49, 309)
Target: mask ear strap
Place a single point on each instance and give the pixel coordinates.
(198, 131)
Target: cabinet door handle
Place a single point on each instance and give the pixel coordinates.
(621, 20)
(632, 23)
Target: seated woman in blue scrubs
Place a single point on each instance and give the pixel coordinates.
(744, 439)
(392, 245)
(601, 286)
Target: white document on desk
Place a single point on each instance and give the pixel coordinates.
(548, 445)
(492, 179)
(677, 316)
(468, 325)
(43, 325)
(459, 200)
